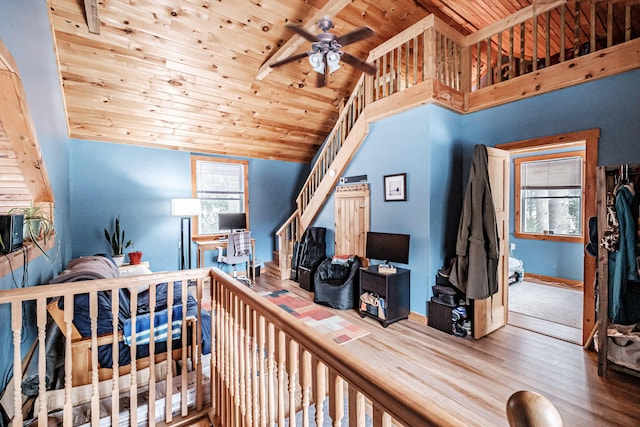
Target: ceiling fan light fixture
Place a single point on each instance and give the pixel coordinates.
(316, 61)
(333, 60)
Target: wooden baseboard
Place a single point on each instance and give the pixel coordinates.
(418, 318)
(568, 282)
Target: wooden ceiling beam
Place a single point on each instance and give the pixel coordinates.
(91, 12)
(330, 9)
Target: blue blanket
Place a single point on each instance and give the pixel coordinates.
(82, 321)
(160, 326)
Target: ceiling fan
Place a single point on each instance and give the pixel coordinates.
(326, 53)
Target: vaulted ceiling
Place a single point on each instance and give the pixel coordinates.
(193, 74)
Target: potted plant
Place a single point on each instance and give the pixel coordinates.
(135, 256)
(117, 242)
(37, 226)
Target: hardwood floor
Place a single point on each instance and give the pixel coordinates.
(545, 327)
(473, 379)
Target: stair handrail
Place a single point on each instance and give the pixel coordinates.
(346, 119)
(286, 236)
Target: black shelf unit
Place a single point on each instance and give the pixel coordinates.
(394, 288)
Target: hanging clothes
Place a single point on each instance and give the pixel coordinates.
(476, 267)
(622, 264)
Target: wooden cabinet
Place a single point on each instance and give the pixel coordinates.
(394, 289)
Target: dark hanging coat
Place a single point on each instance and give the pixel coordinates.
(476, 268)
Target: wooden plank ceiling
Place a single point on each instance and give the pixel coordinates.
(181, 74)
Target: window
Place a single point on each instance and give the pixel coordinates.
(549, 196)
(222, 186)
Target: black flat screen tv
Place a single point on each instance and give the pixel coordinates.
(232, 221)
(388, 247)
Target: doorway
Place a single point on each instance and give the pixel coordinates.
(540, 321)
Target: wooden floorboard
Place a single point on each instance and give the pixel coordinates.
(541, 326)
(472, 379)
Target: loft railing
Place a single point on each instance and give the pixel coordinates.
(428, 50)
(265, 365)
(543, 35)
(430, 62)
(270, 368)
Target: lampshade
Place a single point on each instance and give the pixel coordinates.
(333, 60)
(185, 207)
(317, 62)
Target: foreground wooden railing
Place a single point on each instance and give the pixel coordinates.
(27, 308)
(429, 62)
(265, 365)
(270, 367)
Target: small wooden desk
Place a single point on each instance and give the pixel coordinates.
(212, 245)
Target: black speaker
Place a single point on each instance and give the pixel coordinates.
(11, 233)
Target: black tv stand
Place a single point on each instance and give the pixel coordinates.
(394, 288)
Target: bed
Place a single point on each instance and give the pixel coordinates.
(516, 270)
(102, 267)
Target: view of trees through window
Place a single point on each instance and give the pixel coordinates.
(220, 186)
(550, 194)
(556, 211)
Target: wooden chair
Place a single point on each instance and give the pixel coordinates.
(529, 409)
(81, 367)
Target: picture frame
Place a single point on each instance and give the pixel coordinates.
(395, 187)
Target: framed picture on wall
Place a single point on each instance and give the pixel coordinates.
(395, 187)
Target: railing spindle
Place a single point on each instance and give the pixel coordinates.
(184, 334)
(292, 371)
(282, 358)
(16, 327)
(133, 389)
(305, 385)
(115, 356)
(68, 379)
(95, 394)
(168, 413)
(41, 320)
(271, 371)
(152, 352)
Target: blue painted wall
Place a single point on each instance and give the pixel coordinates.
(434, 147)
(424, 143)
(24, 29)
(610, 104)
(138, 184)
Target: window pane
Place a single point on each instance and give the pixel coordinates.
(220, 187)
(552, 211)
(551, 195)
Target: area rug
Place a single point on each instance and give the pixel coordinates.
(319, 318)
(558, 305)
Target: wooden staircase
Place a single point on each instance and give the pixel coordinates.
(431, 63)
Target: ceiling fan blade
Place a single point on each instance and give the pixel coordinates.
(289, 59)
(359, 63)
(301, 31)
(355, 35)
